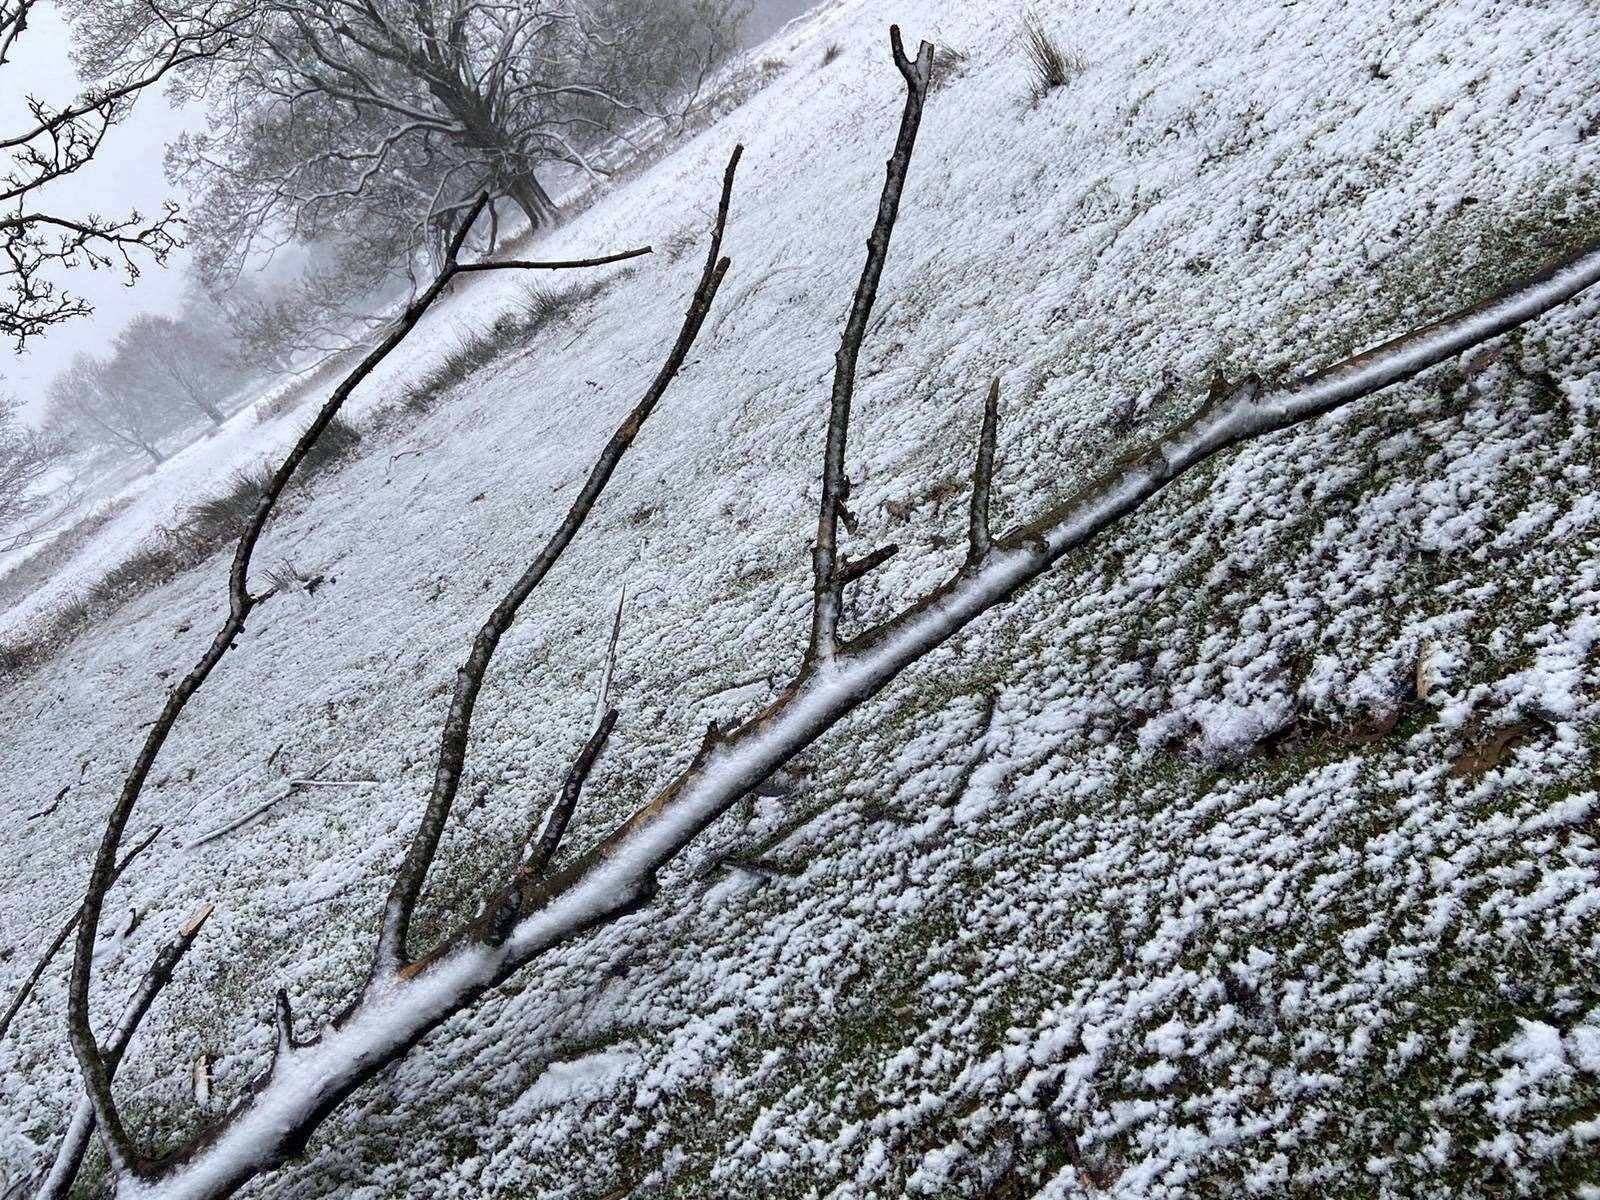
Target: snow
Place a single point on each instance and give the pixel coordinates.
(1053, 878)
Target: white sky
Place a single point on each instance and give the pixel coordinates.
(127, 173)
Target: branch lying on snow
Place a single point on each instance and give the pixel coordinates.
(52, 806)
(404, 998)
(289, 789)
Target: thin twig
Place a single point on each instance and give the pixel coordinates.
(69, 1157)
(61, 937)
(852, 569)
(244, 819)
(602, 704)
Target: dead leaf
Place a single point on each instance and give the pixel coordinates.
(1478, 761)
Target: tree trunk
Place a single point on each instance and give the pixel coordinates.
(156, 457)
(210, 410)
(534, 201)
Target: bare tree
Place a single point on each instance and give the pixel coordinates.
(542, 901)
(186, 360)
(91, 403)
(37, 239)
(376, 124)
(26, 457)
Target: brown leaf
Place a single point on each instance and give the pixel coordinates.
(1479, 760)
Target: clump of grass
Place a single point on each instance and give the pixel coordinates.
(467, 352)
(833, 51)
(287, 577)
(948, 63)
(541, 306)
(680, 243)
(149, 567)
(337, 440)
(1052, 67)
(223, 514)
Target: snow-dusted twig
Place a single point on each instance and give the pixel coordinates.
(602, 703)
(239, 822)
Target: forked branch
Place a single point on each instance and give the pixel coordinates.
(58, 1180)
(400, 1007)
(241, 601)
(391, 956)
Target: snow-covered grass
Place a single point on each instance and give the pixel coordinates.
(1164, 880)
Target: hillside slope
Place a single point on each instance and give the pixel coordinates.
(1254, 852)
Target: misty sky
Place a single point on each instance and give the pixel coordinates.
(128, 173)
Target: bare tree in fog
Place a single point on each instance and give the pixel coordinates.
(369, 129)
(26, 456)
(94, 404)
(187, 360)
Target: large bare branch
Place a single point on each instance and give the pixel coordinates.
(397, 1008)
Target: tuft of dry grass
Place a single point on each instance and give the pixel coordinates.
(833, 51)
(948, 64)
(206, 526)
(1051, 66)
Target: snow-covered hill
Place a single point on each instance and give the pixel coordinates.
(1252, 852)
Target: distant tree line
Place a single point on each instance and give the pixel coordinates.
(354, 134)
(162, 374)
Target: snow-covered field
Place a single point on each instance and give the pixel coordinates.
(1254, 852)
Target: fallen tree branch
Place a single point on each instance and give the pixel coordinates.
(405, 999)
